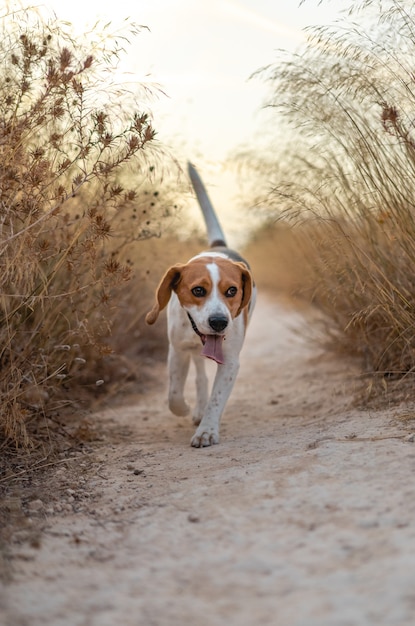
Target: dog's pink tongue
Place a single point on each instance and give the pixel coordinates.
(212, 348)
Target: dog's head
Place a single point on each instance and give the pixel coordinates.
(212, 289)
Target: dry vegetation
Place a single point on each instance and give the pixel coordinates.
(346, 187)
(80, 176)
(83, 204)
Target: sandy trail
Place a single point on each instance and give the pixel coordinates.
(303, 515)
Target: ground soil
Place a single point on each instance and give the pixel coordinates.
(304, 514)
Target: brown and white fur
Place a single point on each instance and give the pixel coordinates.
(210, 300)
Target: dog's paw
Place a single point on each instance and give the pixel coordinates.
(178, 406)
(204, 438)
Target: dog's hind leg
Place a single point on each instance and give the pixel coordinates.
(201, 389)
(178, 363)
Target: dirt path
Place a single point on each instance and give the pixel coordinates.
(303, 515)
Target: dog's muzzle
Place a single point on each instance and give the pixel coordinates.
(212, 344)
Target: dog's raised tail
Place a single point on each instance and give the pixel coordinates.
(215, 233)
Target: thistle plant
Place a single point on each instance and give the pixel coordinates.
(69, 149)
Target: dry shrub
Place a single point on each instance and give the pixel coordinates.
(358, 286)
(346, 185)
(77, 173)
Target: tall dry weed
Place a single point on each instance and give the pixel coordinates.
(77, 170)
(347, 180)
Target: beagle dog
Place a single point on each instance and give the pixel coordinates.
(210, 300)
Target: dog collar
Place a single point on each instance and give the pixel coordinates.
(195, 328)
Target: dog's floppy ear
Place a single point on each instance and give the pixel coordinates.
(163, 293)
(247, 283)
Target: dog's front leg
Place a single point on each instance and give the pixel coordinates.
(201, 389)
(178, 365)
(207, 432)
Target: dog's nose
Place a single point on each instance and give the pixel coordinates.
(218, 323)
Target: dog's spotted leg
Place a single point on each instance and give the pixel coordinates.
(207, 433)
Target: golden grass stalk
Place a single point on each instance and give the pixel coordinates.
(348, 181)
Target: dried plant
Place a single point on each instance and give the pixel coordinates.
(77, 173)
(348, 179)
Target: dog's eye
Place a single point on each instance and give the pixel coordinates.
(231, 292)
(199, 292)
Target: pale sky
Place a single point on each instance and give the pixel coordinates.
(201, 53)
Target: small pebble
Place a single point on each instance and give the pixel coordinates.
(369, 523)
(35, 505)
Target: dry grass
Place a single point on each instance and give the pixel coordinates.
(347, 182)
(78, 197)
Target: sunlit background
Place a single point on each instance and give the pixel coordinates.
(199, 58)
